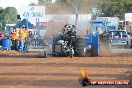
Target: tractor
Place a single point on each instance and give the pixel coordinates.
(67, 43)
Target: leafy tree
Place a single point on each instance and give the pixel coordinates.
(61, 1)
(32, 4)
(43, 2)
(116, 7)
(40, 2)
(10, 16)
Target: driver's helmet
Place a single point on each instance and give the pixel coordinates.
(73, 28)
(68, 27)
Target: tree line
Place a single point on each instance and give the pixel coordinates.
(108, 8)
(116, 7)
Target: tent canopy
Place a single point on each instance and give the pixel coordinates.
(24, 22)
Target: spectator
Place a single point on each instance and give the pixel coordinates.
(18, 37)
(35, 38)
(30, 38)
(22, 38)
(26, 33)
(1, 36)
(26, 39)
(13, 39)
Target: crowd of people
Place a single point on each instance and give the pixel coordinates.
(21, 38)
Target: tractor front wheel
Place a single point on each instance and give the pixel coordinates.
(71, 53)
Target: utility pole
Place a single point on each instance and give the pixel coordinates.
(75, 5)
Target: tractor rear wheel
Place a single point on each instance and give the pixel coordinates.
(93, 52)
(80, 47)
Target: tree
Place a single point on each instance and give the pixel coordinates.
(32, 4)
(43, 2)
(116, 7)
(10, 16)
(40, 2)
(61, 1)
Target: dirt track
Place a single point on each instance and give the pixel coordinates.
(60, 72)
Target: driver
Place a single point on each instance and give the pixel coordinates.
(70, 36)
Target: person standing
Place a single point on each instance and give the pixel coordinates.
(13, 39)
(26, 44)
(22, 38)
(35, 39)
(17, 40)
(30, 38)
(1, 37)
